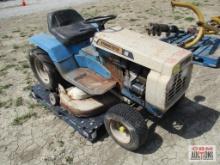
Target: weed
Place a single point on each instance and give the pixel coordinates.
(90, 13)
(7, 67)
(33, 105)
(6, 36)
(28, 79)
(22, 34)
(25, 65)
(190, 19)
(16, 31)
(13, 59)
(3, 73)
(27, 88)
(61, 143)
(9, 103)
(196, 3)
(177, 17)
(25, 72)
(69, 159)
(6, 104)
(211, 4)
(2, 104)
(19, 101)
(15, 46)
(177, 12)
(22, 119)
(91, 7)
(132, 20)
(2, 56)
(4, 87)
(72, 133)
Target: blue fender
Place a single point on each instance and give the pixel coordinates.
(52, 46)
(56, 50)
(60, 54)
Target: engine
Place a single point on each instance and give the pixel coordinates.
(131, 76)
(135, 79)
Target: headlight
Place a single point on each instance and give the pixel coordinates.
(176, 69)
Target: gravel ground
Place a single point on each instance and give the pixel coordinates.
(29, 134)
(13, 8)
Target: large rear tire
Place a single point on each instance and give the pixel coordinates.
(126, 126)
(44, 70)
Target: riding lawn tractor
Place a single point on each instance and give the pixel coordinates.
(92, 76)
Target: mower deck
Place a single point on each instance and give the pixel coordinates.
(203, 51)
(89, 127)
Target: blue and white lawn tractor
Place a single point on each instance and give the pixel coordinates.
(107, 75)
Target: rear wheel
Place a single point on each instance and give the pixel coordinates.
(126, 126)
(44, 70)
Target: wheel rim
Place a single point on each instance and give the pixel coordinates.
(120, 132)
(42, 71)
(52, 99)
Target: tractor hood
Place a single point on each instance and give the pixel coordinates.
(141, 49)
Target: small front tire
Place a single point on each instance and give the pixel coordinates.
(126, 126)
(54, 99)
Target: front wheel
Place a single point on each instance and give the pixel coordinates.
(126, 126)
(54, 99)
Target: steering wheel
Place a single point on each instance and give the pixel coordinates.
(100, 20)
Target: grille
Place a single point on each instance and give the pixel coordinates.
(177, 87)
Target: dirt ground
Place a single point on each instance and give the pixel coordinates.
(10, 8)
(29, 134)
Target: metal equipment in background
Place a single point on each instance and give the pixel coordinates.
(199, 41)
(202, 51)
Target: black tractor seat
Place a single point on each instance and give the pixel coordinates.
(69, 27)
